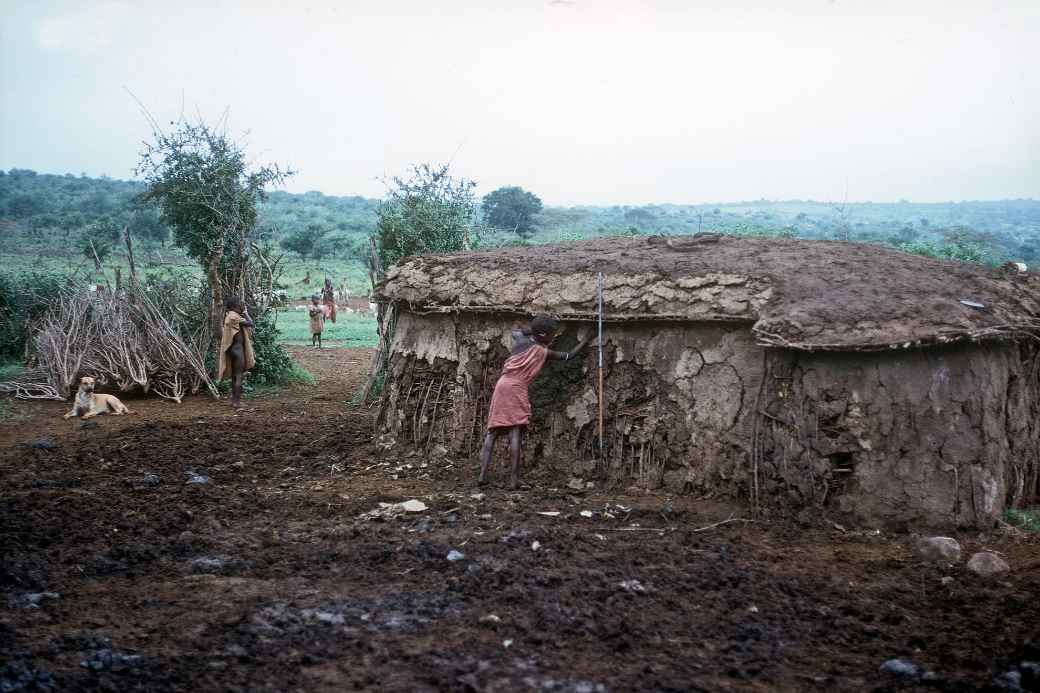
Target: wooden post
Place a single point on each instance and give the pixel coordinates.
(130, 255)
(599, 341)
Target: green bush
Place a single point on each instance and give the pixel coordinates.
(965, 251)
(1028, 520)
(274, 366)
(185, 302)
(23, 298)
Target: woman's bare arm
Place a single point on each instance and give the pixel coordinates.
(568, 355)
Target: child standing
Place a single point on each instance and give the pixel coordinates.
(510, 405)
(236, 347)
(318, 314)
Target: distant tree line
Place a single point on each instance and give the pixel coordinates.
(85, 215)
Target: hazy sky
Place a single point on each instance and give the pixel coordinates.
(584, 102)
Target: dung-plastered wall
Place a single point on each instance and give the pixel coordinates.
(942, 436)
(946, 436)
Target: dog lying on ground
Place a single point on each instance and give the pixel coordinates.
(88, 405)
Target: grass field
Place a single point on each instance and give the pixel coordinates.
(294, 270)
(350, 329)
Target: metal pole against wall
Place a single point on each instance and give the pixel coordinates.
(599, 342)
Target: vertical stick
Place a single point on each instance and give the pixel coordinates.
(599, 342)
(130, 254)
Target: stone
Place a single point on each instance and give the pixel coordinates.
(938, 550)
(900, 667)
(389, 511)
(43, 444)
(32, 600)
(106, 659)
(209, 564)
(576, 484)
(634, 586)
(1010, 680)
(454, 555)
(987, 564)
(19, 674)
(196, 478)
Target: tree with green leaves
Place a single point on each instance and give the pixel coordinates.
(145, 224)
(98, 240)
(307, 242)
(427, 212)
(512, 209)
(207, 193)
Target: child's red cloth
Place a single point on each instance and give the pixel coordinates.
(510, 405)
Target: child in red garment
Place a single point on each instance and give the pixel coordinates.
(510, 406)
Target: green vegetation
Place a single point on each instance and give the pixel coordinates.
(512, 209)
(349, 330)
(9, 371)
(427, 212)
(207, 193)
(43, 217)
(24, 296)
(1028, 520)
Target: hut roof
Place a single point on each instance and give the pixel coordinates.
(810, 295)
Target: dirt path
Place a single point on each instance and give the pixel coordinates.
(265, 578)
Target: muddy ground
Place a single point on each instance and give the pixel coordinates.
(118, 575)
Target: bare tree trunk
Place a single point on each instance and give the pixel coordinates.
(97, 260)
(130, 255)
(216, 308)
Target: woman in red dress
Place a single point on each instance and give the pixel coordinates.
(510, 405)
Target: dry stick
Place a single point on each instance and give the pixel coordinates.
(29, 390)
(97, 260)
(599, 322)
(723, 522)
(130, 254)
(756, 431)
(417, 422)
(436, 405)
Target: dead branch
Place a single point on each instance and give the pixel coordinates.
(720, 523)
(122, 338)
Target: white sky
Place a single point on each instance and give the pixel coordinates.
(581, 102)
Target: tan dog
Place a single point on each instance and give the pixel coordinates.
(88, 405)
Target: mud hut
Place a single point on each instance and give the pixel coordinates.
(895, 389)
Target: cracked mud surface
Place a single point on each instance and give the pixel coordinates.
(823, 294)
(265, 580)
(916, 439)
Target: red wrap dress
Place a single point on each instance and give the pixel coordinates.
(510, 405)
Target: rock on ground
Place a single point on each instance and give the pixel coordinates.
(900, 667)
(938, 549)
(986, 564)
